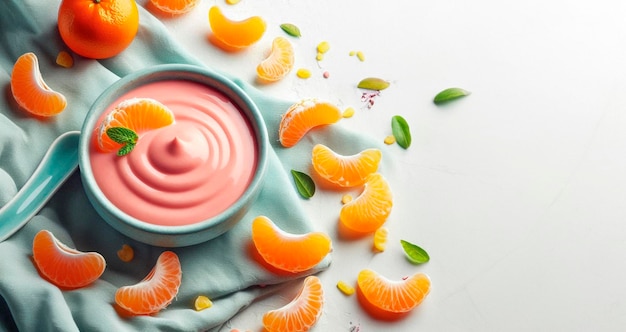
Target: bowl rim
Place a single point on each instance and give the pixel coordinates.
(166, 72)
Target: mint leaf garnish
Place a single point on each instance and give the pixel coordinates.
(127, 137)
(126, 149)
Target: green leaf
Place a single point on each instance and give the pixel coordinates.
(414, 253)
(291, 29)
(122, 135)
(304, 184)
(401, 131)
(450, 94)
(126, 149)
(127, 137)
(373, 83)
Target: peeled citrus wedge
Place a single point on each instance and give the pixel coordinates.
(156, 291)
(278, 63)
(369, 211)
(286, 251)
(175, 7)
(301, 313)
(31, 92)
(232, 35)
(138, 114)
(380, 239)
(389, 299)
(63, 266)
(345, 171)
(304, 116)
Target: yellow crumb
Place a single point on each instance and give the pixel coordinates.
(303, 73)
(64, 59)
(345, 288)
(323, 47)
(202, 302)
(390, 139)
(348, 112)
(319, 56)
(347, 198)
(232, 2)
(352, 53)
(126, 253)
(360, 55)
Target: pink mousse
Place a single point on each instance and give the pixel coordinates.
(186, 172)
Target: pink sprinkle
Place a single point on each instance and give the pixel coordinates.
(405, 278)
(368, 97)
(326, 74)
(354, 328)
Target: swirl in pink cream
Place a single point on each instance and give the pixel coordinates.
(186, 172)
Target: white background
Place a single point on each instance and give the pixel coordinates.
(516, 191)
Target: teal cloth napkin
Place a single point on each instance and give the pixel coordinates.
(221, 268)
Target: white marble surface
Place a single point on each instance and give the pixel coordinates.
(517, 191)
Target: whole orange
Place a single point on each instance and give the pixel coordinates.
(98, 29)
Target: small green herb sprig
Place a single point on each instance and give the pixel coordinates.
(125, 136)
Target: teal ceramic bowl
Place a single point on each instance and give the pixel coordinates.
(164, 235)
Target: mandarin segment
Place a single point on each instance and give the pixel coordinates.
(156, 291)
(63, 266)
(137, 114)
(304, 116)
(278, 63)
(301, 313)
(385, 298)
(380, 239)
(287, 251)
(31, 92)
(369, 211)
(233, 35)
(175, 7)
(343, 170)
